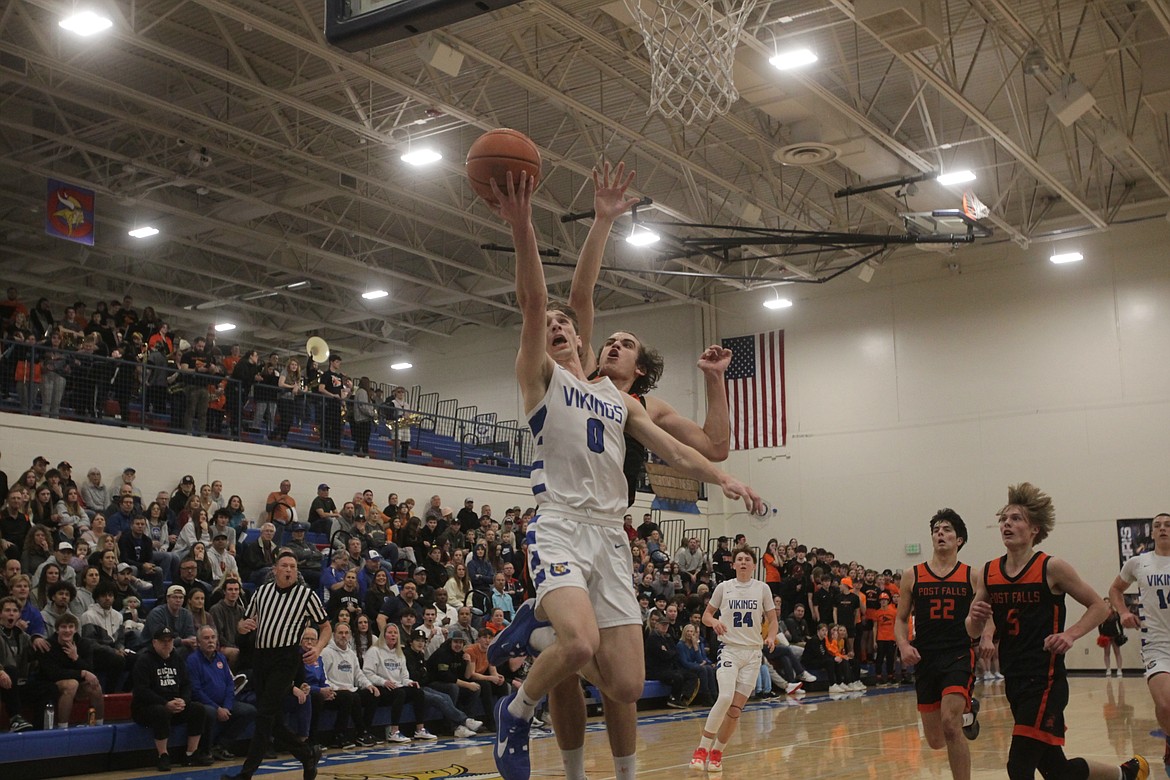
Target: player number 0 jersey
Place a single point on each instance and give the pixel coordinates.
(578, 427)
(1152, 574)
(742, 607)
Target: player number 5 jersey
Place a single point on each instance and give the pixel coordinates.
(741, 607)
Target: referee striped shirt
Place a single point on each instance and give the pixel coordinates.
(281, 614)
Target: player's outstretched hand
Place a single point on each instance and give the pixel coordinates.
(1059, 643)
(733, 488)
(1130, 620)
(715, 359)
(513, 204)
(609, 192)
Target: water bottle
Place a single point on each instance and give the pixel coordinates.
(50, 717)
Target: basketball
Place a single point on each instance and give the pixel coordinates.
(494, 154)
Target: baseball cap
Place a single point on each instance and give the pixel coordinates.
(298, 527)
(129, 470)
(164, 633)
(41, 459)
(446, 511)
(188, 480)
(220, 535)
(884, 595)
(458, 633)
(124, 567)
(373, 555)
(65, 546)
(846, 582)
(176, 589)
(469, 500)
(418, 633)
(420, 569)
(322, 486)
(64, 465)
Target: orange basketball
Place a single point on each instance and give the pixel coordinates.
(494, 154)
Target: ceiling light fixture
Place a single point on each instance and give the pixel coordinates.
(86, 23)
(401, 366)
(777, 303)
(641, 236)
(795, 58)
(296, 285)
(1061, 258)
(418, 157)
(224, 327)
(955, 177)
(373, 295)
(144, 232)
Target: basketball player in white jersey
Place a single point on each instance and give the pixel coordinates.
(744, 606)
(634, 369)
(1151, 572)
(579, 554)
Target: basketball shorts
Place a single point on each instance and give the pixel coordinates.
(1156, 663)
(738, 668)
(1038, 707)
(940, 674)
(564, 552)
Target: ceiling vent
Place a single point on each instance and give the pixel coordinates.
(906, 25)
(806, 153)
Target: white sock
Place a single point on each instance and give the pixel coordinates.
(706, 742)
(574, 761)
(522, 707)
(720, 745)
(624, 767)
(542, 639)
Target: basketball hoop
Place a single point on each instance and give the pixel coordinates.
(692, 54)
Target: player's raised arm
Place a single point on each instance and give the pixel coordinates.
(713, 439)
(684, 458)
(609, 203)
(533, 366)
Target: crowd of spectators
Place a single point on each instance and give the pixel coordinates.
(96, 364)
(109, 588)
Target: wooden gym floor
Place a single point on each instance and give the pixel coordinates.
(871, 735)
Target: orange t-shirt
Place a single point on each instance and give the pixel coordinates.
(281, 513)
(478, 656)
(771, 568)
(834, 648)
(886, 616)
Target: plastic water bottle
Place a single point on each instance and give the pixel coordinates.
(50, 717)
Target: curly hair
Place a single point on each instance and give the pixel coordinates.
(1037, 506)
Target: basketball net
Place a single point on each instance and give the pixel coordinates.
(691, 44)
(973, 207)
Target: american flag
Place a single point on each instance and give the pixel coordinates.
(755, 390)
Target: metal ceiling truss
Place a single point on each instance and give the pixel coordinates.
(301, 143)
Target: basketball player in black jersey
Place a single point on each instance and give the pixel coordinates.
(939, 593)
(1023, 593)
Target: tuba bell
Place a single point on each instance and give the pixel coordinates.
(317, 349)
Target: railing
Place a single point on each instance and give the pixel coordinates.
(154, 393)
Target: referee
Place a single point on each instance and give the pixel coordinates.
(278, 613)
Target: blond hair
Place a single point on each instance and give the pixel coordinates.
(1037, 507)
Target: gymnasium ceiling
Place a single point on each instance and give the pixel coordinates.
(267, 157)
